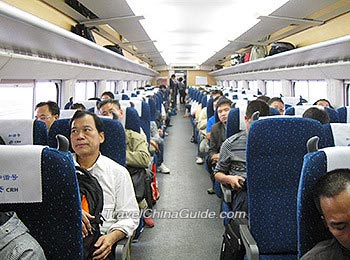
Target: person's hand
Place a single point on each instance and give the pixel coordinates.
(86, 225)
(105, 243)
(236, 181)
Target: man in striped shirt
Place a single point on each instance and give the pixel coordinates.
(231, 167)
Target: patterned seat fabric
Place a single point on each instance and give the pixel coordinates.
(311, 230)
(39, 133)
(55, 222)
(275, 151)
(146, 119)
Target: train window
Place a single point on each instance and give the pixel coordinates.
(273, 88)
(311, 90)
(110, 86)
(16, 101)
(84, 90)
(45, 91)
(125, 85)
(253, 85)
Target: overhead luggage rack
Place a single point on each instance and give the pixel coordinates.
(328, 59)
(37, 40)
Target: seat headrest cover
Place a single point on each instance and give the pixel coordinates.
(17, 132)
(337, 157)
(20, 182)
(341, 134)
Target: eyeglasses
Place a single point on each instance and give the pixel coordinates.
(43, 117)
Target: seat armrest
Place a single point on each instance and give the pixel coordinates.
(121, 250)
(252, 250)
(226, 194)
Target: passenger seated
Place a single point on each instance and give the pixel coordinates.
(218, 135)
(323, 102)
(118, 192)
(107, 95)
(332, 199)
(137, 154)
(317, 113)
(47, 112)
(277, 103)
(231, 167)
(158, 143)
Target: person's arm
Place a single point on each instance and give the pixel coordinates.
(137, 154)
(126, 211)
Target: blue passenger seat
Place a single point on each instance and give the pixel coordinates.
(344, 114)
(275, 151)
(311, 228)
(56, 221)
(23, 131)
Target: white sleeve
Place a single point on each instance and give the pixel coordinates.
(126, 211)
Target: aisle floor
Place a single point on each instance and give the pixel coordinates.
(183, 190)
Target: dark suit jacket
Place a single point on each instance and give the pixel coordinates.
(217, 137)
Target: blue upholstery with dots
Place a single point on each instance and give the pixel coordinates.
(333, 115)
(275, 151)
(210, 108)
(152, 107)
(39, 133)
(290, 111)
(342, 114)
(328, 136)
(146, 119)
(204, 101)
(132, 120)
(274, 112)
(113, 147)
(55, 222)
(233, 122)
(311, 229)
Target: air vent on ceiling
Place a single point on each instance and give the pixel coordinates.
(183, 67)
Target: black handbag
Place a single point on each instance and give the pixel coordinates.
(138, 177)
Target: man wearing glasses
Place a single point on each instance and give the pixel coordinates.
(47, 112)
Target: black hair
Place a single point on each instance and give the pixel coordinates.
(108, 101)
(181, 79)
(275, 99)
(263, 98)
(331, 185)
(77, 106)
(79, 114)
(223, 101)
(216, 91)
(108, 93)
(257, 105)
(318, 114)
(323, 99)
(53, 107)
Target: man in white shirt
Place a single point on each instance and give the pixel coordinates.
(120, 208)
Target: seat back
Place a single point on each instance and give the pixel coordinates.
(311, 228)
(23, 131)
(113, 147)
(56, 221)
(275, 150)
(344, 114)
(210, 108)
(299, 110)
(336, 134)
